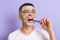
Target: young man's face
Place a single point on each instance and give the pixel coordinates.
(28, 14)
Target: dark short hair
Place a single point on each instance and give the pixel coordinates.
(25, 4)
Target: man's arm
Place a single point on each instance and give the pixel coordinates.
(52, 35)
(46, 24)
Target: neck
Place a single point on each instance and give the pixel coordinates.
(27, 29)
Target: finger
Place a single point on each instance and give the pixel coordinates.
(41, 21)
(44, 20)
(48, 20)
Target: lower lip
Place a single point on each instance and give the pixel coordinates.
(30, 21)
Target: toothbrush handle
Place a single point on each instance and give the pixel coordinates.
(36, 21)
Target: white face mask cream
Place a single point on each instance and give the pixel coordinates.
(24, 18)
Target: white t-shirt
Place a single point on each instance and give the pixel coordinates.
(35, 35)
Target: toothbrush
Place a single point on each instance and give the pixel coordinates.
(35, 21)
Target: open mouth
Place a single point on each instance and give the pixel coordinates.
(30, 20)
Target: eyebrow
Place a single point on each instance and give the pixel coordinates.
(27, 10)
(24, 10)
(33, 10)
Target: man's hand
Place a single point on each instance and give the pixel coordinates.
(47, 25)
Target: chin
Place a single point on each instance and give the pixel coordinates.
(30, 24)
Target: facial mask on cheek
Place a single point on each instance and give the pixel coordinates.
(24, 18)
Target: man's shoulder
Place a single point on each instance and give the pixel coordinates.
(14, 33)
(42, 32)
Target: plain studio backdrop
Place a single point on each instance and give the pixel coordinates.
(44, 8)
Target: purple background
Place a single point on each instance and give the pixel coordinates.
(44, 8)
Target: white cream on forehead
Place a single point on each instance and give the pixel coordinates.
(27, 8)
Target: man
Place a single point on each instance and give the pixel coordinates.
(28, 31)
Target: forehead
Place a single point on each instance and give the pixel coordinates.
(28, 8)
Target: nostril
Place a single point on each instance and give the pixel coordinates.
(29, 14)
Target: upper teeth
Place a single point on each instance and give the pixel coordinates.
(30, 19)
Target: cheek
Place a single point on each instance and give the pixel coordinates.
(25, 16)
(34, 16)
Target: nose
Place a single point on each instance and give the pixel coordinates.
(30, 14)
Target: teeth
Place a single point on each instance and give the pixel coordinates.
(30, 19)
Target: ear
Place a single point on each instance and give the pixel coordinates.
(19, 17)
